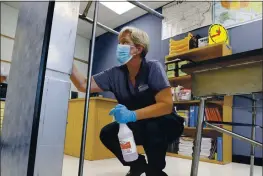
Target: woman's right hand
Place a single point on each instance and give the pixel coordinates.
(80, 81)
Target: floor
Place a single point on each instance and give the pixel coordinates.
(175, 167)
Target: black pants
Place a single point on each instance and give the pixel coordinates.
(153, 134)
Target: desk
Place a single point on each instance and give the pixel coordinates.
(229, 75)
(98, 118)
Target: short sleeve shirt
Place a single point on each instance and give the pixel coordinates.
(150, 80)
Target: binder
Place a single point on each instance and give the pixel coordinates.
(219, 149)
(191, 118)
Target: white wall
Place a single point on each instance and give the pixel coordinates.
(81, 52)
(82, 48)
(8, 27)
(8, 20)
(9, 16)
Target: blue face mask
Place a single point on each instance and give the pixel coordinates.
(123, 53)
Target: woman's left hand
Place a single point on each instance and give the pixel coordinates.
(122, 114)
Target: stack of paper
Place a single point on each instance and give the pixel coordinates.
(186, 147)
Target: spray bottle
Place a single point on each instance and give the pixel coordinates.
(127, 143)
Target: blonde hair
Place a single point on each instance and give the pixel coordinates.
(138, 37)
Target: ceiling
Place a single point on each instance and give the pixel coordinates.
(106, 16)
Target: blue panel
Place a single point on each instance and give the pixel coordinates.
(246, 37)
(244, 116)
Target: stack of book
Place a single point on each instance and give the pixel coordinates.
(213, 114)
(206, 148)
(210, 148)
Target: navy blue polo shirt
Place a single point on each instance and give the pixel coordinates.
(150, 80)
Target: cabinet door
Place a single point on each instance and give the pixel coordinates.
(103, 118)
(74, 128)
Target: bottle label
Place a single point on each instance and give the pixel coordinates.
(128, 145)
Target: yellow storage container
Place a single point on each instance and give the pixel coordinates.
(179, 46)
